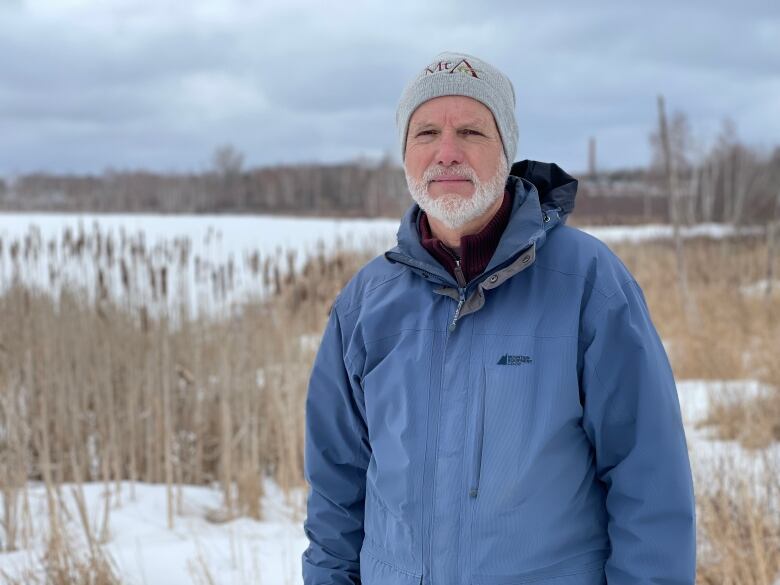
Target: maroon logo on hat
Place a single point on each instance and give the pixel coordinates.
(462, 66)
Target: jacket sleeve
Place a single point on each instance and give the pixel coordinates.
(632, 418)
(336, 455)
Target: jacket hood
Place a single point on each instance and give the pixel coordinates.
(556, 188)
(543, 198)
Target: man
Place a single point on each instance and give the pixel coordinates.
(491, 403)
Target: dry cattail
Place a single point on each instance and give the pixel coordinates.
(185, 374)
(102, 288)
(110, 250)
(152, 280)
(144, 318)
(254, 263)
(164, 281)
(125, 275)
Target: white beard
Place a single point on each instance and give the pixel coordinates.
(452, 209)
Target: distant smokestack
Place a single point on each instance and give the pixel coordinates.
(592, 157)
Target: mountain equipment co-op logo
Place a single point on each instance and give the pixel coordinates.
(513, 360)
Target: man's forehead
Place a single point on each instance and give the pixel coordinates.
(465, 110)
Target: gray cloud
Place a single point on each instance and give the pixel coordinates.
(138, 83)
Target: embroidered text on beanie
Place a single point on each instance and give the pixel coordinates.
(466, 75)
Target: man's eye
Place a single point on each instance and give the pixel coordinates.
(426, 133)
(472, 132)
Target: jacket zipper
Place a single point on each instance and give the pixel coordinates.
(479, 433)
(461, 300)
(461, 287)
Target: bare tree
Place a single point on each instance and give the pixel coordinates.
(673, 149)
(227, 160)
(741, 169)
(773, 227)
(710, 170)
(771, 244)
(746, 173)
(228, 164)
(670, 162)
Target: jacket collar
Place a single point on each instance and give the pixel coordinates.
(543, 198)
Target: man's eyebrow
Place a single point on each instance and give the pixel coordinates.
(476, 123)
(473, 123)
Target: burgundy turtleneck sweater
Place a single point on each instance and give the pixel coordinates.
(476, 250)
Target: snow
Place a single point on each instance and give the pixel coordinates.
(266, 233)
(645, 232)
(246, 551)
(706, 452)
(759, 288)
(145, 551)
(214, 242)
(233, 233)
(696, 395)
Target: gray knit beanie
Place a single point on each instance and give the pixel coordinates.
(462, 74)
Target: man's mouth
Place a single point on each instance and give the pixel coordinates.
(450, 179)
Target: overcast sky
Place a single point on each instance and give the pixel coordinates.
(87, 85)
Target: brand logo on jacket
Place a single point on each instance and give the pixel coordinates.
(513, 360)
(461, 66)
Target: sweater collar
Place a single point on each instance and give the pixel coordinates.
(475, 250)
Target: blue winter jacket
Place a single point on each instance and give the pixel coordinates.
(523, 428)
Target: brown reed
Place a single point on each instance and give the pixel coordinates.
(105, 387)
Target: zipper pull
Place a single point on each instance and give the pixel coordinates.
(462, 292)
(459, 274)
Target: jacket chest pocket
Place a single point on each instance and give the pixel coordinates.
(478, 437)
(506, 412)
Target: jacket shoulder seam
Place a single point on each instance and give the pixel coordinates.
(605, 303)
(578, 275)
(359, 302)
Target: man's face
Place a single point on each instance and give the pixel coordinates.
(454, 160)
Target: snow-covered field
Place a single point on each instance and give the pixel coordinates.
(146, 552)
(244, 551)
(705, 451)
(223, 235)
(215, 241)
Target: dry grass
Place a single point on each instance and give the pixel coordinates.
(93, 389)
(753, 422)
(64, 561)
(737, 335)
(738, 521)
(98, 389)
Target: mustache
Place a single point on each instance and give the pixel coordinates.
(437, 171)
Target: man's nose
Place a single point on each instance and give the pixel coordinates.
(450, 151)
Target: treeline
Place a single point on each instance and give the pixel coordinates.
(730, 182)
(348, 189)
(727, 182)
